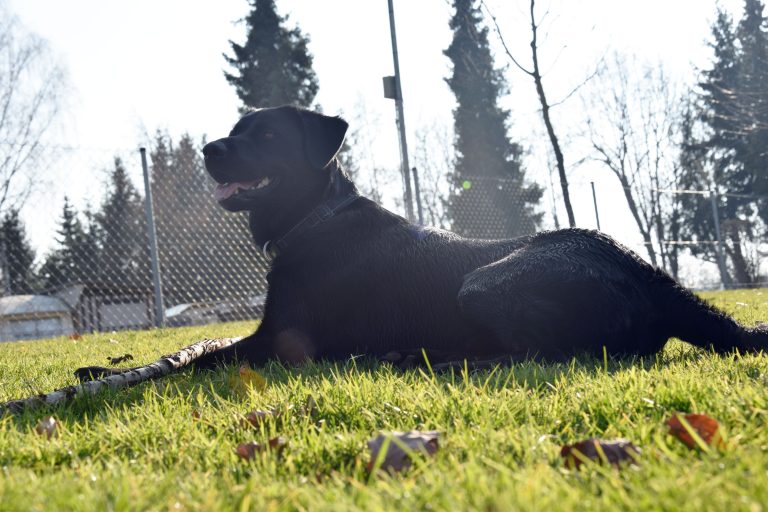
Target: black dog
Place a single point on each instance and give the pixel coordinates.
(349, 277)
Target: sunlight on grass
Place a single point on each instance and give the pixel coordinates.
(170, 444)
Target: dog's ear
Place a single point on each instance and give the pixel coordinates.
(323, 137)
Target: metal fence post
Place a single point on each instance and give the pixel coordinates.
(594, 201)
(724, 278)
(5, 268)
(152, 234)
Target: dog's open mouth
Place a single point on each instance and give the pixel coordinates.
(226, 190)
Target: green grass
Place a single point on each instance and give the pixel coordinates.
(142, 449)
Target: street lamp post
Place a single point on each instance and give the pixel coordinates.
(393, 90)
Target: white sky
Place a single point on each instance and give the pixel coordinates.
(140, 65)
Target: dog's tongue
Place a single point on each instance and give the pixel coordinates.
(227, 190)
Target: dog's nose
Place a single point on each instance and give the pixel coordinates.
(215, 149)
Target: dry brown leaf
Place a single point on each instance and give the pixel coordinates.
(700, 426)
(612, 452)
(257, 417)
(75, 336)
(278, 444)
(248, 451)
(120, 359)
(48, 427)
(392, 451)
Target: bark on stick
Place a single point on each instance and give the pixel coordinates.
(128, 377)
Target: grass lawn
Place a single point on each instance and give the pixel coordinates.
(144, 448)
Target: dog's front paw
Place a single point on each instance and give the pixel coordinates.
(89, 373)
(402, 360)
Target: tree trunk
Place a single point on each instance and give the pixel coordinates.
(548, 123)
(741, 273)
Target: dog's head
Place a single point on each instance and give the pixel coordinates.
(274, 158)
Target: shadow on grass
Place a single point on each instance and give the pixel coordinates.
(216, 385)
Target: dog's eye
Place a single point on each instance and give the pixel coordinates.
(269, 135)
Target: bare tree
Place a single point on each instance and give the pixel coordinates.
(435, 159)
(370, 177)
(31, 86)
(633, 116)
(535, 73)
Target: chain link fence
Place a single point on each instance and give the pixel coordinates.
(704, 238)
(91, 266)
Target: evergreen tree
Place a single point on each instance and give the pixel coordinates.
(274, 66)
(182, 202)
(753, 90)
(123, 256)
(490, 198)
(74, 260)
(205, 253)
(732, 156)
(16, 256)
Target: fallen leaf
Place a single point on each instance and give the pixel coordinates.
(392, 452)
(248, 451)
(696, 430)
(247, 380)
(278, 444)
(119, 359)
(257, 417)
(612, 452)
(75, 336)
(48, 427)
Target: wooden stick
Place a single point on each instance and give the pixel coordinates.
(124, 378)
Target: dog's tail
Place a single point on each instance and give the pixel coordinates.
(693, 320)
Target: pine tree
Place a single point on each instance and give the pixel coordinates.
(205, 253)
(183, 206)
(75, 258)
(123, 255)
(17, 256)
(734, 112)
(490, 198)
(753, 74)
(274, 66)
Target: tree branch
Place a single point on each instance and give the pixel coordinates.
(503, 42)
(130, 377)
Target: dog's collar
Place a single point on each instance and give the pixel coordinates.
(319, 214)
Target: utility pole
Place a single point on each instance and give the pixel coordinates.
(393, 90)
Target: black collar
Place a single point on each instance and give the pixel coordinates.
(339, 194)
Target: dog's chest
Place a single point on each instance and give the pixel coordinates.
(370, 301)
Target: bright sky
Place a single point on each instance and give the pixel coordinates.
(141, 65)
